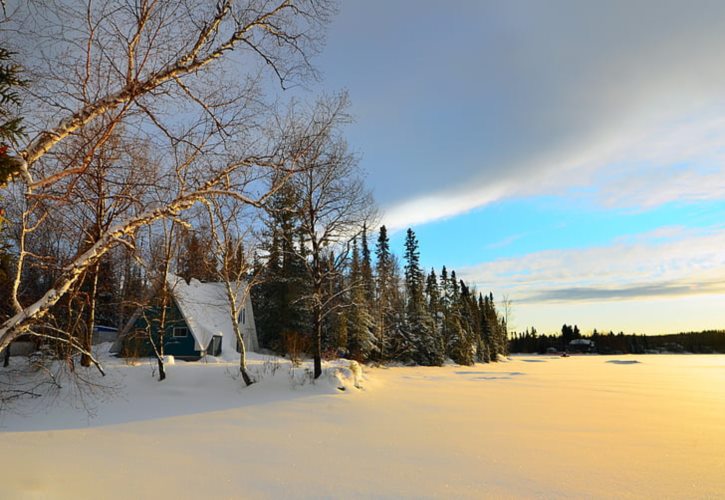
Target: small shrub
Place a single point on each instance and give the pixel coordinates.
(295, 345)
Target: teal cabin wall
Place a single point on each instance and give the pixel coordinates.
(177, 346)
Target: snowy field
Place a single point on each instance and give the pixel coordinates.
(578, 427)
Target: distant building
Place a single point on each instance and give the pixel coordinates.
(581, 346)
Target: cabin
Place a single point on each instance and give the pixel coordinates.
(197, 320)
(582, 346)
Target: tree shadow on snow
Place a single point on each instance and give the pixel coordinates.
(490, 375)
(486, 373)
(493, 378)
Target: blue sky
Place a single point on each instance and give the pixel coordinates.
(569, 155)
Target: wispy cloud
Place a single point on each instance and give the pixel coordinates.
(505, 242)
(671, 261)
(682, 160)
(627, 292)
(441, 206)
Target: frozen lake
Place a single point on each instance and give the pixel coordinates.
(535, 426)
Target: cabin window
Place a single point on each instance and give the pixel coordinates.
(180, 331)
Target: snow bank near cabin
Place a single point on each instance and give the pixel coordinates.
(131, 392)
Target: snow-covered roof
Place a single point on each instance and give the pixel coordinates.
(205, 308)
(581, 342)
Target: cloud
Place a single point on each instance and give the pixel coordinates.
(624, 97)
(506, 241)
(682, 160)
(671, 261)
(437, 207)
(679, 160)
(627, 292)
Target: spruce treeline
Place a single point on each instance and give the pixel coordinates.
(384, 311)
(705, 342)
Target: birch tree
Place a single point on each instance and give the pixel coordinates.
(228, 232)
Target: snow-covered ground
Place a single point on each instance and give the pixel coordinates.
(578, 427)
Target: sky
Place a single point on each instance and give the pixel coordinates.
(566, 155)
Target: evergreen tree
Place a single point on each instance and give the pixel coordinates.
(281, 314)
(419, 323)
(432, 294)
(493, 332)
(445, 305)
(196, 259)
(413, 273)
(235, 264)
(433, 297)
(455, 289)
(495, 328)
(460, 341)
(567, 335)
(467, 313)
(107, 296)
(366, 268)
(385, 318)
(11, 129)
(360, 324)
(335, 326)
(484, 345)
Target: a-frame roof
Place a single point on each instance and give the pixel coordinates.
(206, 309)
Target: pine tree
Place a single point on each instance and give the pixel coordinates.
(433, 298)
(11, 131)
(366, 268)
(237, 262)
(335, 326)
(107, 296)
(445, 304)
(433, 295)
(460, 339)
(469, 323)
(484, 342)
(419, 324)
(454, 288)
(11, 128)
(281, 316)
(360, 324)
(493, 332)
(385, 318)
(196, 260)
(413, 273)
